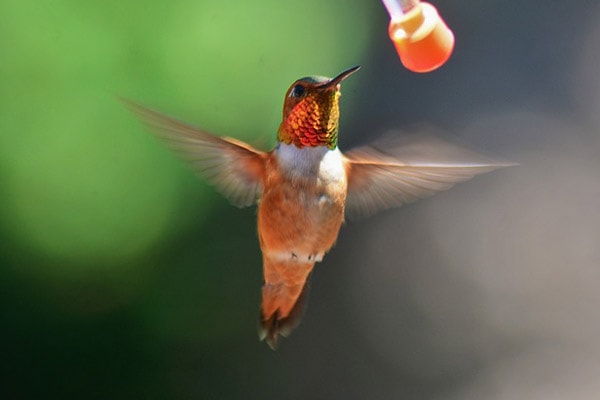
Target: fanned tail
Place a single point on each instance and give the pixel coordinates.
(284, 298)
(272, 327)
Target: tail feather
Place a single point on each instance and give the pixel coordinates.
(282, 310)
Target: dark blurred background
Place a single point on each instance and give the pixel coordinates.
(124, 276)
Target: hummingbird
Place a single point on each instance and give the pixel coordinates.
(303, 187)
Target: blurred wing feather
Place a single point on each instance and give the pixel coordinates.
(233, 167)
(377, 182)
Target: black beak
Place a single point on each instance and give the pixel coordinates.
(340, 77)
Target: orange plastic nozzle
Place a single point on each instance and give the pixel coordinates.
(422, 39)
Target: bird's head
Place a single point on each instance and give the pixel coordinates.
(311, 111)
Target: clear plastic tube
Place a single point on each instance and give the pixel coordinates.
(397, 8)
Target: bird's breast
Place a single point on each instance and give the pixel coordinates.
(311, 162)
(316, 174)
(302, 206)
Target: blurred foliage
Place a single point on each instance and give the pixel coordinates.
(83, 183)
(114, 256)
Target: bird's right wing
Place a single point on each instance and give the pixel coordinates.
(235, 168)
(378, 180)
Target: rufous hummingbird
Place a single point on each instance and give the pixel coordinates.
(303, 187)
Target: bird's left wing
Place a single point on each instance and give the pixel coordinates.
(377, 181)
(235, 168)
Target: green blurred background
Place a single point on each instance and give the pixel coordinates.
(124, 276)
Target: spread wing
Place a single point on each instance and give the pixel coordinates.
(377, 181)
(235, 168)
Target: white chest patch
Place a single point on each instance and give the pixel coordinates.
(326, 164)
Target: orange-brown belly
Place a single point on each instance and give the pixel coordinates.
(300, 221)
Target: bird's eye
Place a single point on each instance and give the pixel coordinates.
(297, 91)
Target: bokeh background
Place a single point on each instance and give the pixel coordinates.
(124, 276)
